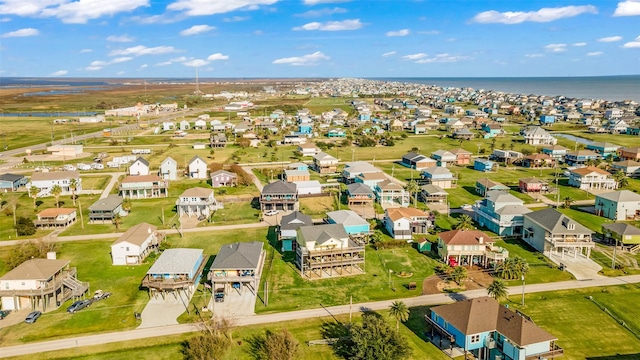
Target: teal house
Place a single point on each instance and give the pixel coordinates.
(603, 148)
(353, 223)
(483, 165)
(288, 229)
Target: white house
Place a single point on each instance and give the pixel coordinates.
(185, 125)
(402, 223)
(135, 244)
(168, 126)
(139, 167)
(197, 168)
(308, 149)
(168, 169)
(308, 187)
(197, 202)
(44, 181)
(200, 124)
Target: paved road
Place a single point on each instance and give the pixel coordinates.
(46, 346)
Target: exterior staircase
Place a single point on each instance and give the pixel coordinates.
(77, 287)
(635, 249)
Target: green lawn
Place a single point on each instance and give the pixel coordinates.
(236, 213)
(24, 208)
(95, 182)
(18, 131)
(541, 270)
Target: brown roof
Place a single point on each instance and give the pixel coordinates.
(488, 183)
(588, 170)
(533, 180)
(141, 178)
(197, 192)
(520, 330)
(538, 157)
(308, 146)
(55, 175)
(137, 234)
(36, 269)
(389, 185)
(53, 212)
(464, 237)
(460, 152)
(373, 176)
(399, 213)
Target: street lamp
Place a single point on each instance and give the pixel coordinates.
(522, 290)
(390, 271)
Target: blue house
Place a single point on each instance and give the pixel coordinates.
(364, 117)
(547, 119)
(11, 182)
(483, 165)
(305, 128)
(633, 130)
(336, 133)
(288, 229)
(491, 130)
(490, 331)
(501, 213)
(175, 270)
(580, 157)
(555, 151)
(352, 222)
(298, 166)
(603, 148)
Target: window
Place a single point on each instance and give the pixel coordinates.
(475, 338)
(127, 248)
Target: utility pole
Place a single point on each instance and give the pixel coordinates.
(523, 290)
(81, 217)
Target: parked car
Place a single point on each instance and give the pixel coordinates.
(82, 166)
(69, 168)
(97, 166)
(466, 207)
(79, 305)
(32, 317)
(4, 313)
(219, 295)
(101, 295)
(271, 212)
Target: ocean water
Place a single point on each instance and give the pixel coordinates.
(613, 88)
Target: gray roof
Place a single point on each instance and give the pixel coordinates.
(297, 173)
(223, 172)
(359, 189)
(513, 210)
(622, 229)
(176, 261)
(502, 196)
(437, 170)
(142, 160)
(137, 234)
(36, 269)
(346, 218)
(322, 233)
(168, 159)
(295, 220)
(433, 190)
(556, 222)
(279, 187)
(620, 196)
(11, 177)
(240, 255)
(107, 204)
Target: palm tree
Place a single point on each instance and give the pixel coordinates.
(497, 289)
(117, 220)
(399, 311)
(458, 274)
(465, 222)
(56, 191)
(413, 188)
(73, 186)
(126, 204)
(621, 178)
(512, 268)
(33, 192)
(568, 201)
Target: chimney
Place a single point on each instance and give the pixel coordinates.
(481, 240)
(51, 255)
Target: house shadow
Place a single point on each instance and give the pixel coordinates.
(471, 190)
(416, 322)
(617, 357)
(255, 203)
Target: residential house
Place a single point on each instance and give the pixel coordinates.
(298, 166)
(547, 119)
(310, 187)
(198, 202)
(402, 223)
(12, 182)
(623, 234)
(551, 232)
(484, 165)
(464, 134)
(136, 244)
(325, 251)
(352, 222)
(359, 194)
(533, 185)
(144, 186)
(184, 125)
(242, 128)
(55, 218)
(555, 151)
(489, 330)
(168, 169)
(433, 194)
(416, 161)
(603, 148)
(105, 210)
(175, 270)
(308, 149)
(197, 168)
(45, 181)
(288, 229)
(506, 156)
(501, 213)
(591, 177)
(419, 129)
(339, 133)
(168, 126)
(580, 157)
(353, 169)
(297, 175)
(371, 179)
(484, 186)
(617, 126)
(389, 193)
(463, 157)
(42, 284)
(200, 124)
(630, 153)
(279, 195)
(535, 135)
(139, 167)
(439, 176)
(325, 163)
(454, 125)
(444, 157)
(238, 266)
(218, 140)
(221, 178)
(538, 161)
(469, 247)
(622, 205)
(630, 168)
(492, 130)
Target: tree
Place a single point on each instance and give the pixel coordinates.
(56, 191)
(29, 250)
(567, 201)
(458, 274)
(25, 226)
(213, 342)
(621, 178)
(117, 221)
(512, 268)
(465, 222)
(372, 339)
(126, 204)
(399, 311)
(413, 188)
(497, 289)
(73, 186)
(33, 192)
(274, 345)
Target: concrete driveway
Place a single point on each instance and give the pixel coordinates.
(580, 266)
(235, 304)
(164, 311)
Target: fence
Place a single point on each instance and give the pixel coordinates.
(614, 317)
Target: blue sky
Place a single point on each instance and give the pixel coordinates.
(318, 38)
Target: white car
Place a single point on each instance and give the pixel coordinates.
(271, 212)
(466, 207)
(69, 168)
(82, 166)
(97, 166)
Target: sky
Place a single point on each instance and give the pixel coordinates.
(318, 38)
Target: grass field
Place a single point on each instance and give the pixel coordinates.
(19, 132)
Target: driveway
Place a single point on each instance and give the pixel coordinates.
(580, 266)
(236, 304)
(164, 311)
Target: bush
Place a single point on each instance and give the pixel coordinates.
(25, 226)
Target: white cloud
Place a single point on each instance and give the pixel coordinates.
(429, 32)
(217, 56)
(632, 44)
(415, 56)
(610, 39)
(542, 15)
(211, 7)
(195, 63)
(316, 2)
(21, 33)
(78, 12)
(305, 60)
(99, 64)
(164, 63)
(59, 73)
(5, 19)
(352, 24)
(556, 47)
(236, 19)
(120, 60)
(121, 38)
(443, 58)
(196, 29)
(390, 53)
(143, 50)
(143, 66)
(322, 12)
(86, 50)
(533, 56)
(595, 53)
(627, 8)
(403, 32)
(579, 44)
